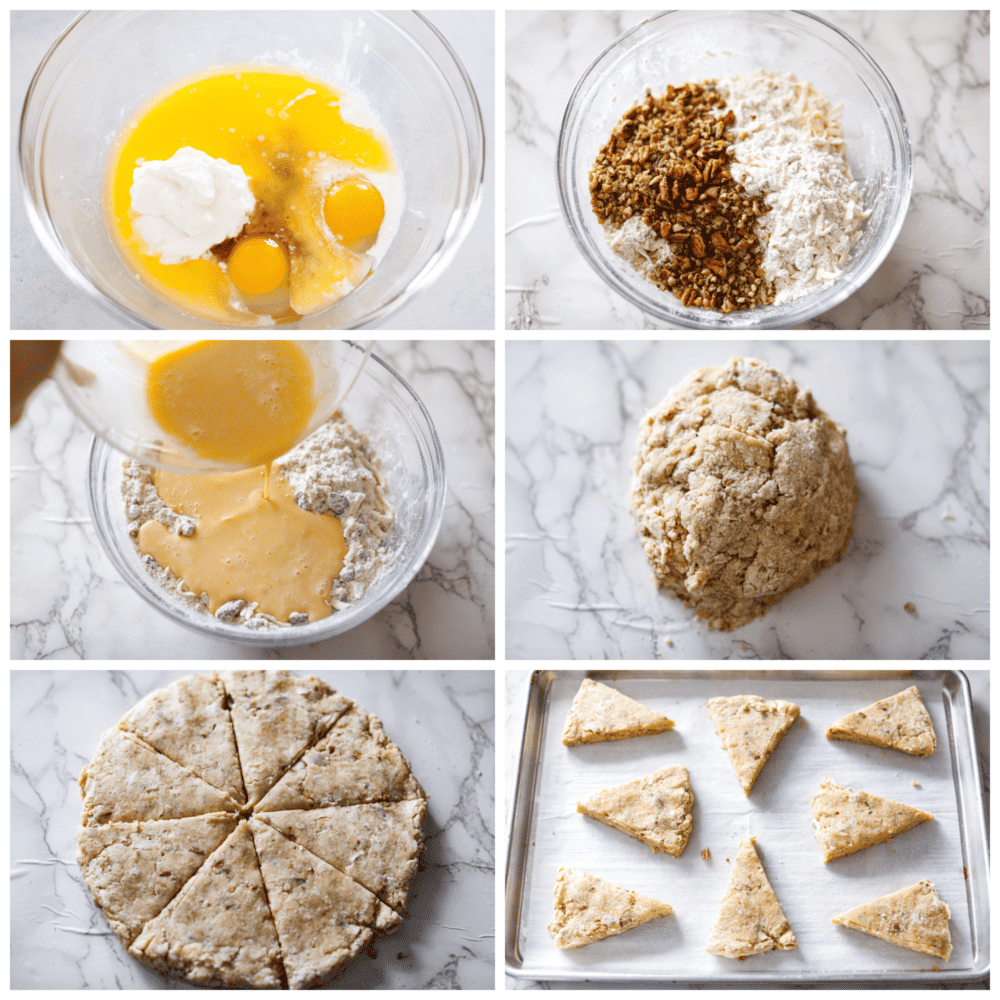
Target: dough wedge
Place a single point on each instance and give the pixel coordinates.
(900, 722)
(356, 762)
(750, 729)
(133, 870)
(655, 809)
(218, 930)
(377, 844)
(188, 721)
(588, 909)
(323, 917)
(751, 920)
(915, 918)
(847, 821)
(128, 781)
(600, 713)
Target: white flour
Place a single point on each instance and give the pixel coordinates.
(334, 471)
(793, 155)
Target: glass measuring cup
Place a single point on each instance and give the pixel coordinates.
(104, 381)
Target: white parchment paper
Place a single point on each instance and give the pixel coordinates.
(777, 812)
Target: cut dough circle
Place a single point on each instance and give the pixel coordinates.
(195, 876)
(742, 490)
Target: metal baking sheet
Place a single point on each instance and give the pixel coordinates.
(546, 831)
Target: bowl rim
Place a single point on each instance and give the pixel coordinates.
(101, 452)
(810, 305)
(462, 96)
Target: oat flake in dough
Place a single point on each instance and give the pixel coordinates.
(334, 471)
(742, 490)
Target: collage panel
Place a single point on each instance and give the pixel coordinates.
(747, 170)
(748, 500)
(186, 169)
(163, 880)
(145, 526)
(642, 857)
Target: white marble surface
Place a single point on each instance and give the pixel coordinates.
(935, 277)
(917, 419)
(516, 684)
(443, 722)
(69, 602)
(463, 298)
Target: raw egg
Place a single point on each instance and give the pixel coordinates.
(354, 211)
(257, 265)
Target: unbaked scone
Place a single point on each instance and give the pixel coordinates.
(742, 490)
(900, 722)
(655, 809)
(587, 908)
(600, 713)
(847, 821)
(751, 920)
(914, 918)
(750, 729)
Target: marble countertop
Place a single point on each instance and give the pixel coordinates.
(443, 722)
(462, 298)
(917, 419)
(516, 684)
(935, 277)
(69, 602)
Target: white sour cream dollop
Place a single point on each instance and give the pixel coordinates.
(187, 204)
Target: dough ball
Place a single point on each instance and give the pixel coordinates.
(742, 490)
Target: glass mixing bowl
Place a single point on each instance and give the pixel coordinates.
(681, 46)
(400, 429)
(107, 64)
(105, 383)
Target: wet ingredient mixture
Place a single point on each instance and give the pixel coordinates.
(253, 195)
(251, 547)
(730, 194)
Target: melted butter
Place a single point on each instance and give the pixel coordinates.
(238, 402)
(268, 551)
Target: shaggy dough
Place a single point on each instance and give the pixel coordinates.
(742, 490)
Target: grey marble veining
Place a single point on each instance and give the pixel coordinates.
(69, 602)
(935, 277)
(917, 420)
(443, 722)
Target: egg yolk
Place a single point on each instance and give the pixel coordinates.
(354, 211)
(257, 265)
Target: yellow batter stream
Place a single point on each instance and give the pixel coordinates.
(242, 403)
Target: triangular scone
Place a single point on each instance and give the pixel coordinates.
(655, 809)
(188, 722)
(898, 723)
(600, 713)
(847, 821)
(323, 917)
(218, 930)
(750, 729)
(750, 917)
(354, 763)
(914, 918)
(134, 869)
(588, 908)
(276, 716)
(128, 781)
(376, 844)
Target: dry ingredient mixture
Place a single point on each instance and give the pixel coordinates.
(334, 471)
(732, 193)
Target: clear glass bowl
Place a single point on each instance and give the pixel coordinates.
(400, 429)
(681, 46)
(107, 64)
(105, 383)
